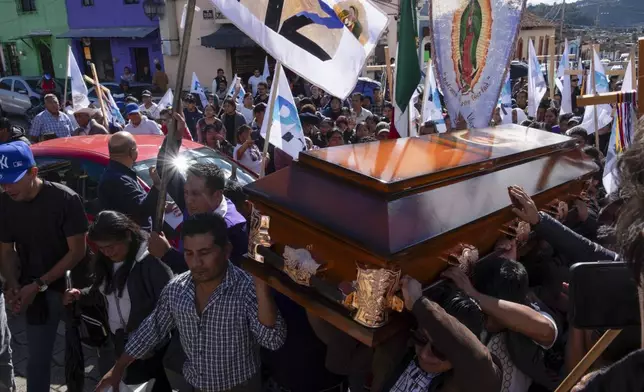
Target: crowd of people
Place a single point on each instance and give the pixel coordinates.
(182, 311)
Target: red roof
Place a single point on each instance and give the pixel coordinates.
(96, 146)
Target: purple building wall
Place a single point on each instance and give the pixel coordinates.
(110, 14)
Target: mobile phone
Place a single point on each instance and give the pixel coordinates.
(68, 279)
(603, 295)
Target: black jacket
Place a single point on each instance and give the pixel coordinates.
(119, 190)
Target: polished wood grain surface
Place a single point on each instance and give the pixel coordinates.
(395, 165)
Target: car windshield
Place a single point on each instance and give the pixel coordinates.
(33, 83)
(200, 155)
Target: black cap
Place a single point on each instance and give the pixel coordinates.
(146, 93)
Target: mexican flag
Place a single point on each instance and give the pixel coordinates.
(408, 73)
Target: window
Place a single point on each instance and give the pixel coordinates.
(5, 84)
(131, 1)
(81, 176)
(88, 3)
(26, 5)
(13, 59)
(18, 86)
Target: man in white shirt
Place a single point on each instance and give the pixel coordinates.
(149, 106)
(140, 125)
(254, 80)
(357, 110)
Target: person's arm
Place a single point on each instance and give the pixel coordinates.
(266, 324)
(175, 260)
(36, 129)
(460, 346)
(242, 149)
(574, 246)
(513, 316)
(9, 263)
(149, 334)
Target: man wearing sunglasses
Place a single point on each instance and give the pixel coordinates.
(447, 354)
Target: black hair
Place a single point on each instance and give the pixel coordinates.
(263, 84)
(259, 108)
(577, 131)
(214, 177)
(501, 278)
(219, 70)
(458, 305)
(189, 99)
(359, 95)
(249, 94)
(306, 101)
(564, 118)
(522, 92)
(114, 226)
(230, 102)
(373, 118)
(157, 66)
(307, 109)
(206, 223)
(131, 99)
(388, 105)
(5, 123)
(243, 128)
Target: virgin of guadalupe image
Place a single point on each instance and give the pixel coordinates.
(470, 33)
(350, 19)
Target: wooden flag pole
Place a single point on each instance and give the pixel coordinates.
(99, 94)
(64, 103)
(171, 142)
(390, 79)
(594, 92)
(587, 361)
(551, 67)
(640, 78)
(268, 117)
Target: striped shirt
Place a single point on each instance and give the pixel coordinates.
(46, 123)
(221, 345)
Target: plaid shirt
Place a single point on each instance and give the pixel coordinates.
(220, 345)
(377, 109)
(45, 123)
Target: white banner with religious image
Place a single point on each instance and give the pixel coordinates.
(79, 88)
(326, 42)
(472, 41)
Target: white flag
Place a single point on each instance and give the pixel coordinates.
(536, 83)
(196, 88)
(267, 72)
(627, 83)
(231, 90)
(563, 81)
(326, 42)
(605, 111)
(112, 110)
(432, 110)
(164, 103)
(79, 88)
(285, 127)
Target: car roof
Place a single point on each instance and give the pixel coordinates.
(96, 145)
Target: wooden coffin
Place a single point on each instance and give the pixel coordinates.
(410, 206)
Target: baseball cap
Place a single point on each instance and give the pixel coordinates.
(16, 159)
(146, 93)
(131, 108)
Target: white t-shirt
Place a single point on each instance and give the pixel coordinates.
(247, 113)
(364, 113)
(153, 110)
(514, 380)
(254, 81)
(146, 127)
(252, 158)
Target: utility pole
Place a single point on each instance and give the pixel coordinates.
(563, 12)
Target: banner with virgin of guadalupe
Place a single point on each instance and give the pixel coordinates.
(472, 41)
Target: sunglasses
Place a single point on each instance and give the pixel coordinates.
(420, 340)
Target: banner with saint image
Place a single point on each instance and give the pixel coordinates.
(472, 41)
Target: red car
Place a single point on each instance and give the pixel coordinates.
(79, 162)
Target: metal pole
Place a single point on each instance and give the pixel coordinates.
(563, 13)
(171, 141)
(552, 53)
(269, 116)
(594, 91)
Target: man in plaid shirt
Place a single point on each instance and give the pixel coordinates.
(51, 121)
(220, 313)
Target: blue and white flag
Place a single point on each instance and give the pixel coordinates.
(536, 82)
(432, 110)
(505, 100)
(79, 88)
(196, 88)
(563, 81)
(283, 125)
(231, 90)
(604, 112)
(112, 111)
(267, 72)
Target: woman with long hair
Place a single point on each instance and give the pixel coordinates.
(209, 118)
(127, 281)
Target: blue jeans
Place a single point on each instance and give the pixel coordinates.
(6, 364)
(40, 339)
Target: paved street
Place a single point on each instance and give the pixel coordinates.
(19, 346)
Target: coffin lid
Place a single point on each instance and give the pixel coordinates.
(390, 195)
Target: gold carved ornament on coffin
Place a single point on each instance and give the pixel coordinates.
(517, 229)
(462, 256)
(299, 265)
(558, 209)
(374, 296)
(258, 236)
